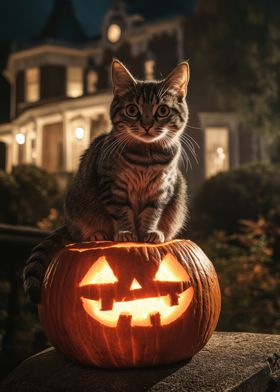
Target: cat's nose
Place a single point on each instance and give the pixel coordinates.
(147, 127)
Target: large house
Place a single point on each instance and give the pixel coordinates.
(61, 88)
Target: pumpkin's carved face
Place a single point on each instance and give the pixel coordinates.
(157, 297)
(129, 304)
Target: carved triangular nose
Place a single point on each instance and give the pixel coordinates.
(135, 285)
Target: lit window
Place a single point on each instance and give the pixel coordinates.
(32, 85)
(114, 33)
(74, 82)
(216, 150)
(149, 69)
(92, 79)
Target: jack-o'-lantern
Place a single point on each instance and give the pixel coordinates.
(130, 304)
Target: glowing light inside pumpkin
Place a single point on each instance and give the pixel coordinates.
(108, 245)
(140, 312)
(135, 285)
(99, 273)
(170, 270)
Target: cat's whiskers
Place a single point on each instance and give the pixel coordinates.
(112, 146)
(190, 147)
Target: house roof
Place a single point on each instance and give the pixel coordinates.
(63, 25)
(155, 10)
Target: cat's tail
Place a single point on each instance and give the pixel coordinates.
(37, 263)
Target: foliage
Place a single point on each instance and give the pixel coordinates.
(9, 198)
(28, 194)
(20, 332)
(248, 265)
(244, 193)
(241, 40)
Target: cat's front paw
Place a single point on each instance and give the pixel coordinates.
(99, 236)
(154, 237)
(125, 236)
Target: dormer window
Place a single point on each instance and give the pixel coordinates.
(149, 69)
(92, 79)
(32, 84)
(75, 82)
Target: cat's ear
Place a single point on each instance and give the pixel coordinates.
(177, 81)
(122, 80)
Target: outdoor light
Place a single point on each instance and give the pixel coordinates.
(79, 133)
(114, 33)
(20, 138)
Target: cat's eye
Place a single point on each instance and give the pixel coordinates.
(163, 111)
(132, 111)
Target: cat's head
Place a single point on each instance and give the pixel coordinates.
(149, 111)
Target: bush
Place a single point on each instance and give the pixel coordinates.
(249, 276)
(247, 192)
(9, 198)
(27, 194)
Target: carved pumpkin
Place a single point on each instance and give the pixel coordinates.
(130, 304)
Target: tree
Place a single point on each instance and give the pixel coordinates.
(29, 196)
(239, 44)
(249, 276)
(38, 193)
(247, 192)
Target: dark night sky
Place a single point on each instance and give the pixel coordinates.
(22, 19)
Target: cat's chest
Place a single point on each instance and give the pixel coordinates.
(144, 184)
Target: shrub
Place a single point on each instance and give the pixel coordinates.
(247, 192)
(27, 195)
(249, 275)
(9, 198)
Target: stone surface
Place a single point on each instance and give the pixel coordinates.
(229, 362)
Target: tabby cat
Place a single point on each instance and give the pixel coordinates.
(128, 186)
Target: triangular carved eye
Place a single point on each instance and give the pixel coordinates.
(99, 273)
(171, 270)
(135, 285)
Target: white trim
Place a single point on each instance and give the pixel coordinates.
(81, 103)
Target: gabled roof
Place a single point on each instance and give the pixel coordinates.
(156, 10)
(62, 25)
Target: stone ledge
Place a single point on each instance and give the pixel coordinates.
(229, 362)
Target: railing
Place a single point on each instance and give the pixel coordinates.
(20, 333)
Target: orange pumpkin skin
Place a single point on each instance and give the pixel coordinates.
(77, 282)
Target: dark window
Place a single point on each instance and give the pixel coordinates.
(53, 81)
(20, 87)
(3, 155)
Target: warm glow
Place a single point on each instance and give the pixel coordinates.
(109, 244)
(135, 285)
(99, 273)
(149, 69)
(216, 150)
(79, 133)
(114, 33)
(32, 84)
(20, 138)
(144, 312)
(170, 270)
(74, 82)
(140, 310)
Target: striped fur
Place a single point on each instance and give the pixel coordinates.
(128, 186)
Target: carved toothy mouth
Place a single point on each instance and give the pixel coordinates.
(135, 309)
(145, 312)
